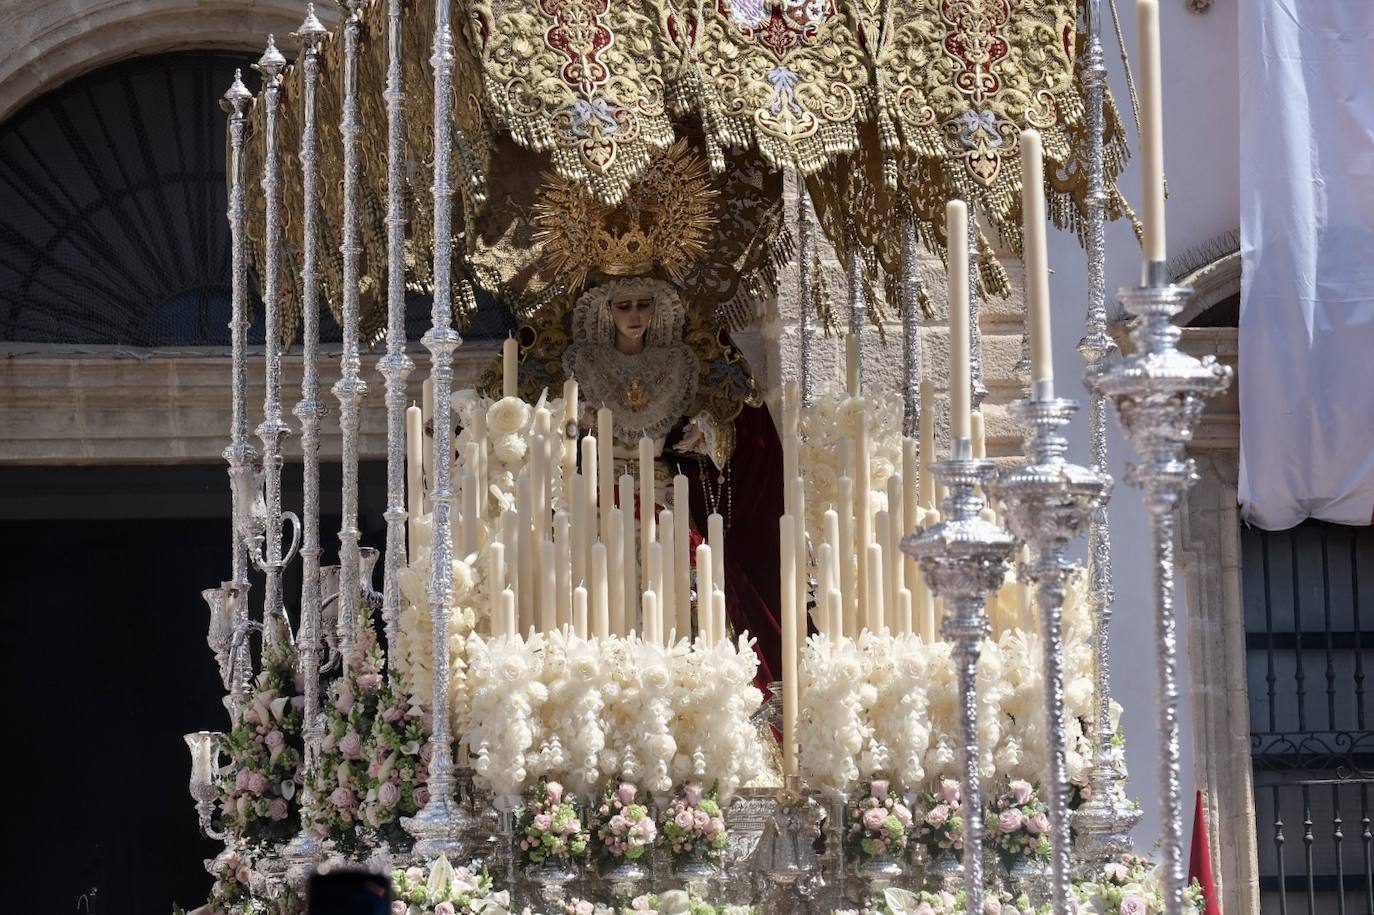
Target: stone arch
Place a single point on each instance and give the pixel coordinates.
(48, 44)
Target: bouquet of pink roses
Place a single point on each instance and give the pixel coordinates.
(941, 828)
(876, 823)
(623, 825)
(693, 825)
(266, 751)
(1020, 823)
(397, 753)
(551, 827)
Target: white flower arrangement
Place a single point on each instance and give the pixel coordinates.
(572, 675)
(712, 699)
(831, 718)
(504, 715)
(828, 427)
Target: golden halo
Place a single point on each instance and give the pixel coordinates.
(663, 224)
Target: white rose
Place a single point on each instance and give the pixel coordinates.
(508, 449)
(507, 416)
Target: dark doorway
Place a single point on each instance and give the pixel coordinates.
(103, 569)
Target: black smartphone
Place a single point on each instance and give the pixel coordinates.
(348, 892)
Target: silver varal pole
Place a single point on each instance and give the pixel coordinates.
(964, 558)
(1104, 822)
(350, 388)
(1159, 392)
(439, 828)
(911, 330)
(858, 305)
(806, 253)
(1048, 502)
(979, 390)
(240, 452)
(305, 848)
(272, 429)
(396, 366)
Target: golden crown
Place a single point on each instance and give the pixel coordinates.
(663, 223)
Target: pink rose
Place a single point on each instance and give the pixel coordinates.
(345, 702)
(352, 745)
(426, 752)
(445, 908)
(422, 795)
(373, 819)
(243, 874)
(715, 827)
(298, 703)
(949, 791)
(992, 905)
(583, 907)
(1009, 821)
(415, 875)
(542, 822)
(625, 793)
(693, 793)
(370, 682)
(277, 809)
(1020, 791)
(1133, 905)
(274, 738)
(1116, 872)
(873, 819)
(398, 907)
(937, 816)
(392, 714)
(1038, 823)
(341, 798)
(389, 794)
(329, 743)
(902, 814)
(683, 819)
(241, 779)
(555, 793)
(878, 789)
(257, 782)
(647, 830)
(619, 824)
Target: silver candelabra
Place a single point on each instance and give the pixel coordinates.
(1159, 392)
(1048, 501)
(964, 558)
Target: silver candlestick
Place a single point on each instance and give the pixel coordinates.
(1158, 391)
(911, 330)
(350, 388)
(240, 453)
(964, 559)
(272, 429)
(806, 248)
(1048, 502)
(441, 826)
(305, 850)
(1104, 822)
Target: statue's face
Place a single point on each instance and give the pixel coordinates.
(632, 316)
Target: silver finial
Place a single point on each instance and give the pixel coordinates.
(311, 31)
(237, 94)
(271, 63)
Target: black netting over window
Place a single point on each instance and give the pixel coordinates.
(112, 203)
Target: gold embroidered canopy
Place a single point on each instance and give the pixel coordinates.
(888, 108)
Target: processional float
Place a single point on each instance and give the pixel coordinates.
(590, 735)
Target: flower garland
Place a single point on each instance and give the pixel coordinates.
(693, 825)
(1020, 825)
(260, 802)
(551, 827)
(398, 753)
(876, 823)
(623, 826)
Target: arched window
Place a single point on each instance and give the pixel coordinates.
(112, 212)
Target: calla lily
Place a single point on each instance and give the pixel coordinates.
(901, 902)
(440, 875)
(279, 707)
(674, 902)
(288, 789)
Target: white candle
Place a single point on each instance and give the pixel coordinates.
(510, 351)
(539, 506)
(682, 556)
(562, 540)
(591, 484)
(715, 535)
(882, 526)
(508, 621)
(978, 437)
(581, 545)
(415, 472)
(824, 585)
(525, 557)
(790, 444)
(836, 615)
(616, 576)
(877, 613)
(653, 621)
(1025, 597)
(1036, 255)
(956, 234)
(667, 532)
(427, 449)
(927, 450)
(579, 612)
(1151, 130)
(548, 601)
(853, 384)
(510, 542)
(647, 497)
(496, 585)
(863, 510)
(844, 494)
(605, 467)
(892, 547)
(569, 442)
(719, 629)
(787, 557)
(904, 621)
(705, 588)
(634, 582)
(471, 535)
(601, 613)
